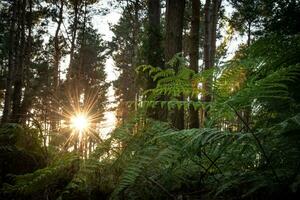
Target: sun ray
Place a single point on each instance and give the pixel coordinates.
(80, 122)
(80, 116)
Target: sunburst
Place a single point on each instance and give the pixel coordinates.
(80, 116)
(80, 122)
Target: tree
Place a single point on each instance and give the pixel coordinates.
(125, 48)
(194, 56)
(211, 13)
(57, 48)
(19, 67)
(58, 45)
(76, 4)
(10, 67)
(19, 58)
(281, 16)
(246, 16)
(153, 49)
(173, 45)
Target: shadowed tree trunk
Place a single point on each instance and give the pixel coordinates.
(57, 52)
(11, 64)
(57, 57)
(154, 54)
(18, 82)
(194, 56)
(29, 92)
(154, 51)
(173, 45)
(73, 39)
(211, 15)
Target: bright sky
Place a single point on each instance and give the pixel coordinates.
(101, 23)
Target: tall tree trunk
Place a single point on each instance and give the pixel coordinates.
(154, 51)
(194, 56)
(82, 47)
(29, 91)
(11, 65)
(73, 39)
(154, 33)
(207, 34)
(246, 113)
(57, 57)
(136, 27)
(216, 4)
(57, 52)
(211, 15)
(173, 45)
(18, 82)
(174, 27)
(249, 33)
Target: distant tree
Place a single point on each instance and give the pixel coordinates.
(246, 16)
(125, 48)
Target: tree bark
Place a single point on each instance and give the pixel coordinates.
(57, 54)
(211, 15)
(29, 92)
(207, 34)
(11, 65)
(216, 4)
(154, 52)
(73, 39)
(174, 27)
(154, 32)
(249, 33)
(194, 56)
(18, 82)
(173, 45)
(57, 57)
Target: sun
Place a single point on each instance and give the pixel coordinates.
(80, 122)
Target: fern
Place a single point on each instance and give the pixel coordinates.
(43, 180)
(222, 161)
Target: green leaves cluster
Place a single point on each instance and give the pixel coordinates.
(162, 163)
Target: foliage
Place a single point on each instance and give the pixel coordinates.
(20, 150)
(196, 160)
(43, 183)
(248, 147)
(125, 50)
(256, 79)
(222, 163)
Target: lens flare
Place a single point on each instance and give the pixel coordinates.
(80, 122)
(79, 117)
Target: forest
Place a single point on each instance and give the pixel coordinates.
(149, 99)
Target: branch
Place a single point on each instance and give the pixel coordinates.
(257, 141)
(161, 187)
